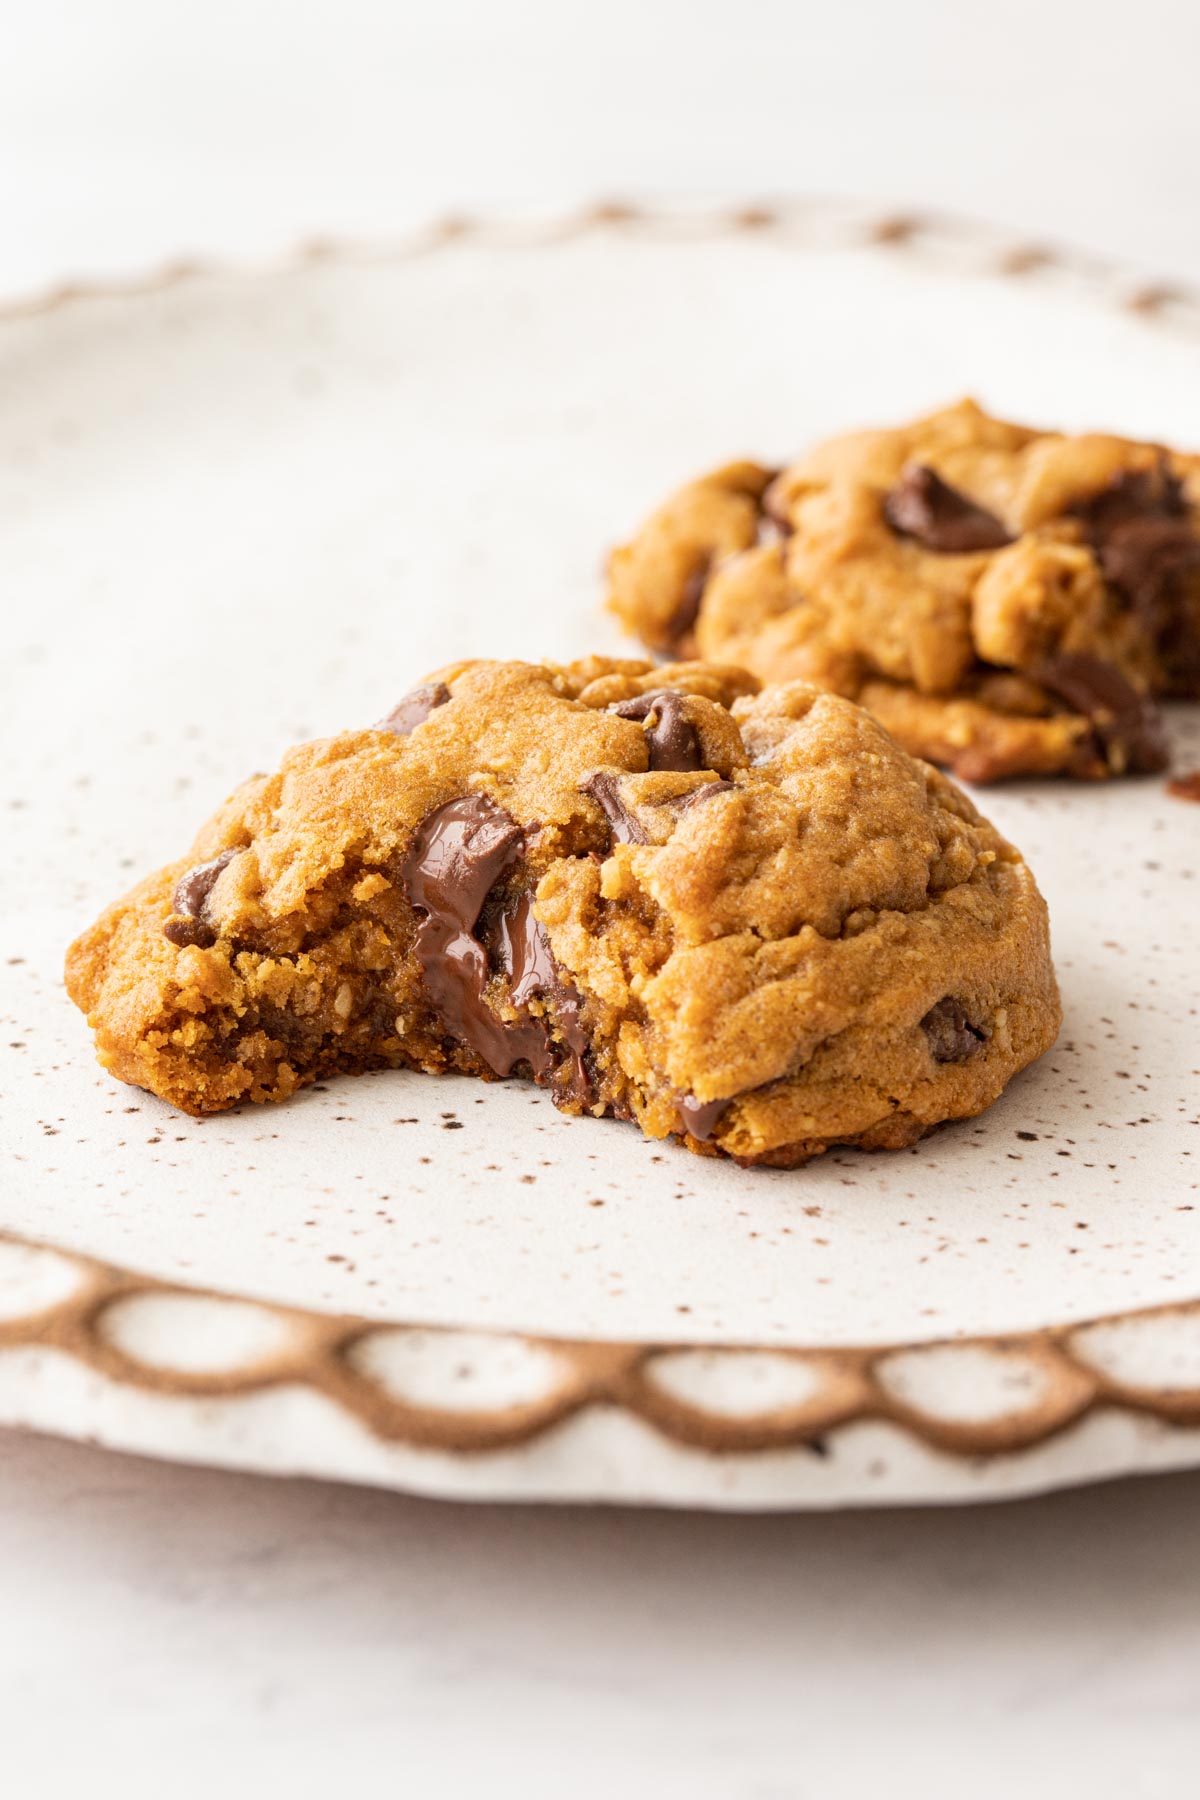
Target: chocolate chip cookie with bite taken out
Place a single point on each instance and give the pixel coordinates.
(1007, 601)
(744, 919)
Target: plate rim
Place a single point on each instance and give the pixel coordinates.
(1059, 1384)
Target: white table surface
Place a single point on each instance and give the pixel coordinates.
(255, 1637)
(182, 1631)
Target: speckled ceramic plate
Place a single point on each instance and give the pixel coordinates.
(240, 510)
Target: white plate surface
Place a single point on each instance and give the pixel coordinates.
(239, 511)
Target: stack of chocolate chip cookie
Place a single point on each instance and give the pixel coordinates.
(726, 897)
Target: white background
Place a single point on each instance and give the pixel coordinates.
(171, 1631)
(135, 127)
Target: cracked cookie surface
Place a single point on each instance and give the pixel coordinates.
(1007, 601)
(746, 919)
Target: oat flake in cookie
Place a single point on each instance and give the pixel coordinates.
(746, 919)
(1007, 601)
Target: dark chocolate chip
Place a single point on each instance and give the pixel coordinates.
(1129, 726)
(691, 596)
(458, 853)
(1133, 494)
(671, 740)
(1141, 557)
(605, 789)
(685, 802)
(523, 952)
(1142, 535)
(924, 507)
(415, 708)
(952, 1036)
(190, 902)
(184, 932)
(192, 890)
(700, 1118)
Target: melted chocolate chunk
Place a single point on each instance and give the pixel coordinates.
(1142, 535)
(415, 708)
(457, 856)
(671, 741)
(605, 789)
(1127, 725)
(924, 507)
(523, 952)
(190, 903)
(700, 1118)
(952, 1037)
